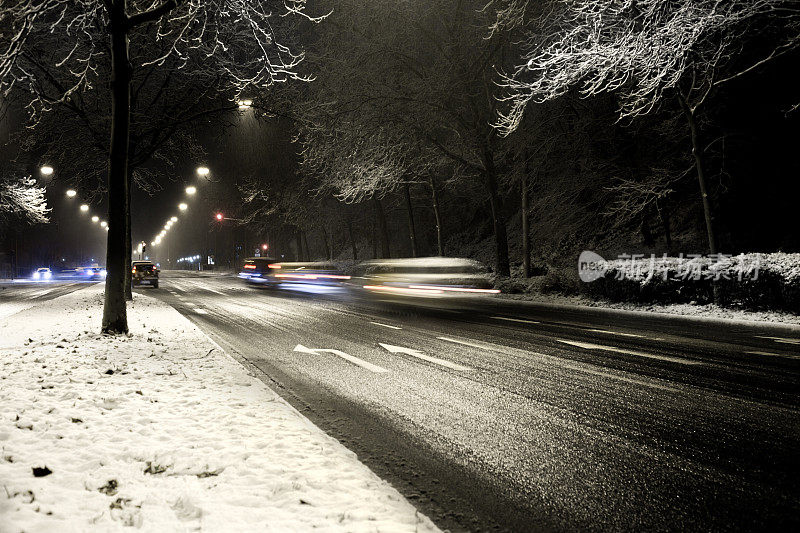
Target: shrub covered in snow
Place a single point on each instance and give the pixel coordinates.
(754, 281)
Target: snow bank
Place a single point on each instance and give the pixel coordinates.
(163, 432)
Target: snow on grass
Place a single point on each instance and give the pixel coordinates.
(163, 432)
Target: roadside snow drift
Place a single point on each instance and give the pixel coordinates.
(163, 432)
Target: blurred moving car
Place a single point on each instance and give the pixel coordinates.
(42, 274)
(313, 277)
(427, 280)
(144, 273)
(259, 270)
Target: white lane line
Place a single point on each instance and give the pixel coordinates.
(773, 354)
(214, 291)
(516, 320)
(200, 311)
(40, 293)
(783, 340)
(385, 325)
(621, 334)
(591, 346)
(177, 288)
(561, 363)
(353, 359)
(424, 357)
(465, 343)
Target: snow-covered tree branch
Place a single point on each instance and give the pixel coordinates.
(23, 199)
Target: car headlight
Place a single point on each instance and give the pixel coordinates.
(48, 275)
(36, 275)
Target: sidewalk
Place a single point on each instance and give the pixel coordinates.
(163, 432)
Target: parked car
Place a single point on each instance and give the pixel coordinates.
(144, 273)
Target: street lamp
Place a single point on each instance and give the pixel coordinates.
(71, 193)
(203, 171)
(104, 224)
(46, 170)
(264, 247)
(220, 216)
(84, 208)
(190, 190)
(245, 104)
(183, 207)
(173, 219)
(95, 219)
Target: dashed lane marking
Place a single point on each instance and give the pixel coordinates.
(200, 311)
(559, 362)
(773, 354)
(385, 325)
(783, 340)
(591, 346)
(509, 319)
(622, 334)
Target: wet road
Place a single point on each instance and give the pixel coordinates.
(523, 417)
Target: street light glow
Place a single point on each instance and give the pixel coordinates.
(95, 218)
(84, 208)
(104, 224)
(46, 170)
(191, 190)
(183, 207)
(203, 171)
(173, 219)
(71, 193)
(264, 247)
(219, 216)
(245, 104)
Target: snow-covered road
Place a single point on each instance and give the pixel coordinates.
(163, 431)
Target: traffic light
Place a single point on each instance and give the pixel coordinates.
(219, 216)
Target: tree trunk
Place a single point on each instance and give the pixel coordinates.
(306, 249)
(384, 229)
(502, 266)
(328, 251)
(526, 238)
(663, 212)
(697, 152)
(412, 231)
(352, 239)
(299, 242)
(437, 215)
(115, 318)
(128, 242)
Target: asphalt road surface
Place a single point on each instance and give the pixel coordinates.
(524, 417)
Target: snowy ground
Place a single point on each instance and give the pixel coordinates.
(704, 311)
(163, 432)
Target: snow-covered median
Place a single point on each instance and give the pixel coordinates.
(163, 432)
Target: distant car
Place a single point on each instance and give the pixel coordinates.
(260, 270)
(144, 273)
(43, 274)
(92, 273)
(310, 277)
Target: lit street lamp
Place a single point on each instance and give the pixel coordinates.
(191, 190)
(173, 219)
(71, 193)
(183, 207)
(95, 219)
(46, 170)
(245, 104)
(104, 224)
(202, 171)
(84, 208)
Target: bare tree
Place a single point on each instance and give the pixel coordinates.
(235, 39)
(22, 199)
(642, 51)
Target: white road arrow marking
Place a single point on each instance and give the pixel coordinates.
(355, 360)
(591, 346)
(420, 355)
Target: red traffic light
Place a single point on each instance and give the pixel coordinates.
(219, 216)
(264, 246)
